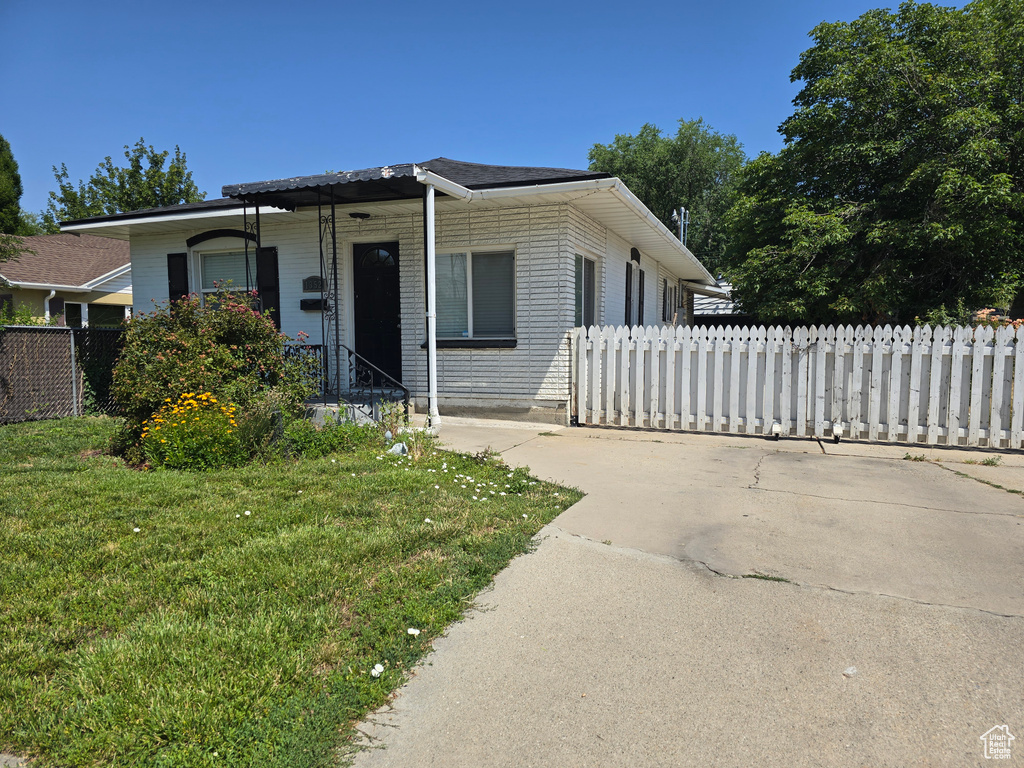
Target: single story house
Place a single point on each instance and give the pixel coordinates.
(719, 310)
(460, 280)
(77, 279)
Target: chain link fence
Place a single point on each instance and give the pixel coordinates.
(49, 373)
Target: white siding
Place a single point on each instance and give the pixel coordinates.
(534, 374)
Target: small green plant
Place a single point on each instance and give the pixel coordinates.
(766, 577)
(303, 438)
(392, 417)
(22, 315)
(991, 461)
(915, 457)
(195, 432)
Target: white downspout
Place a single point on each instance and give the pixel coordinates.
(46, 306)
(433, 415)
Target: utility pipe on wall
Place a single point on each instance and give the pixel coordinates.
(46, 306)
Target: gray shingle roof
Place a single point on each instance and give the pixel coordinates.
(66, 259)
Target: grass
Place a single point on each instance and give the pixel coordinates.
(766, 577)
(211, 637)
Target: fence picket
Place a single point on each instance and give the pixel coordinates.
(857, 382)
(824, 337)
(623, 344)
(982, 336)
(785, 396)
(802, 341)
(956, 371)
(685, 334)
(895, 393)
(702, 379)
(914, 394)
(1017, 404)
(655, 412)
(755, 337)
(671, 350)
(995, 419)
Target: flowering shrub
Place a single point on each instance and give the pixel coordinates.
(193, 432)
(224, 348)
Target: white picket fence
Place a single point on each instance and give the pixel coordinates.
(941, 386)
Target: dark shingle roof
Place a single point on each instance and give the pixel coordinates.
(479, 176)
(66, 259)
(394, 182)
(220, 202)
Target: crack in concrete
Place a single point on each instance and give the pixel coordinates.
(757, 471)
(840, 590)
(634, 552)
(887, 503)
(997, 486)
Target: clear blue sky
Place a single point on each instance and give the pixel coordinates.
(259, 90)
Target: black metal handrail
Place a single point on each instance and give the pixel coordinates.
(367, 379)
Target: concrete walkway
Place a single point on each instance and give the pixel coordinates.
(896, 639)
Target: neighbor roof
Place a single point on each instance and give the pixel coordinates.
(66, 259)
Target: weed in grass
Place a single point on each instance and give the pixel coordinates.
(991, 461)
(211, 630)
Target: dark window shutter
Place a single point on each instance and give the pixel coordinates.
(56, 307)
(177, 276)
(267, 285)
(640, 299)
(629, 293)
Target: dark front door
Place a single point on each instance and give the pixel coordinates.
(377, 306)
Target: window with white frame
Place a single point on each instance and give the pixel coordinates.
(476, 292)
(586, 292)
(218, 267)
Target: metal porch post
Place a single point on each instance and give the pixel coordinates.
(428, 229)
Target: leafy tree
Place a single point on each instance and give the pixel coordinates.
(142, 183)
(696, 168)
(899, 189)
(13, 221)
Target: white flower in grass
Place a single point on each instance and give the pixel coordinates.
(248, 512)
(413, 631)
(377, 670)
(502, 494)
(437, 487)
(524, 516)
(299, 491)
(136, 529)
(334, 461)
(427, 520)
(237, 516)
(474, 498)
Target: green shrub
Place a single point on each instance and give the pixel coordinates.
(303, 438)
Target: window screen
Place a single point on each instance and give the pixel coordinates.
(494, 295)
(452, 298)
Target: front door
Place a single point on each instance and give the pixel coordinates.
(377, 306)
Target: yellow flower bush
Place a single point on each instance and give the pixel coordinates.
(193, 432)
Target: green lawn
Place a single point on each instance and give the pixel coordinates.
(209, 636)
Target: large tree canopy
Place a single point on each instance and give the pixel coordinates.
(143, 183)
(695, 169)
(899, 189)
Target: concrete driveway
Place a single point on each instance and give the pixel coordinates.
(886, 628)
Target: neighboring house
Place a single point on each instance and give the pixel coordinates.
(520, 256)
(719, 310)
(74, 279)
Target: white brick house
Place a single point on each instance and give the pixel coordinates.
(522, 256)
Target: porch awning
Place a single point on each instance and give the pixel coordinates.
(370, 185)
